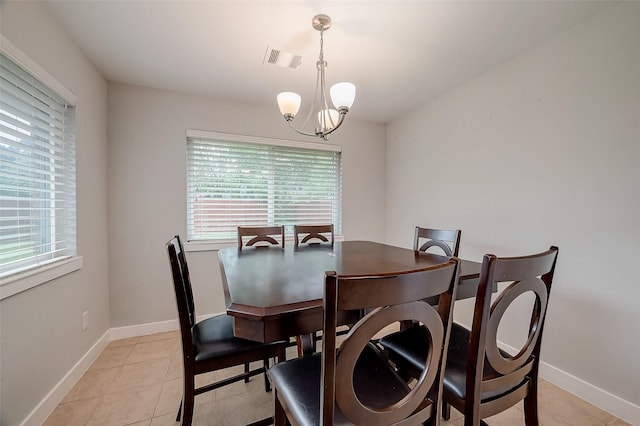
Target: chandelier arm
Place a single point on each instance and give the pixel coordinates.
(300, 131)
(315, 96)
(340, 121)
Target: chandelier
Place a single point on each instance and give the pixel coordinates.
(342, 96)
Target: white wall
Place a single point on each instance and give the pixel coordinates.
(544, 150)
(147, 198)
(41, 329)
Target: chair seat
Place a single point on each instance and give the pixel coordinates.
(213, 338)
(298, 384)
(411, 346)
(456, 373)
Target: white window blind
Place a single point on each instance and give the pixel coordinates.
(37, 172)
(233, 183)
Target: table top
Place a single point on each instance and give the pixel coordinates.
(267, 282)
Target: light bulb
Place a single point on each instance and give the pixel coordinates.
(343, 94)
(289, 103)
(328, 119)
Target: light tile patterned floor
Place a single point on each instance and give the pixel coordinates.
(138, 381)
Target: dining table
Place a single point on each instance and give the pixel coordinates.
(276, 292)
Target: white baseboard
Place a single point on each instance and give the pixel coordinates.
(143, 329)
(150, 328)
(602, 399)
(62, 388)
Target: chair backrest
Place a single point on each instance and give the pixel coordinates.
(490, 369)
(388, 299)
(313, 234)
(260, 235)
(447, 240)
(184, 294)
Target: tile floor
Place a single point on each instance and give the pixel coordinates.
(138, 381)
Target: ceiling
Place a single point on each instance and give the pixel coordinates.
(400, 54)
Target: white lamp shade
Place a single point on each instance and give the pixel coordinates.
(289, 103)
(328, 118)
(343, 94)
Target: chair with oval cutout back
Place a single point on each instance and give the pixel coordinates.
(481, 379)
(355, 384)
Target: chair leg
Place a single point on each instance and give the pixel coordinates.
(246, 371)
(431, 421)
(531, 405)
(446, 410)
(279, 416)
(267, 383)
(188, 399)
(472, 418)
(179, 410)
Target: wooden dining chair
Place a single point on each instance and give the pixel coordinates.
(210, 345)
(303, 235)
(260, 235)
(446, 240)
(312, 234)
(437, 241)
(481, 379)
(355, 384)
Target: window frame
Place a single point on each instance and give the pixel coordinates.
(213, 245)
(32, 276)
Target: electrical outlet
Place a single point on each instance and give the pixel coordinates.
(85, 320)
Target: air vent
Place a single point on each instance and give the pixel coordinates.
(282, 59)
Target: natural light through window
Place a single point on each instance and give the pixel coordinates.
(245, 181)
(37, 172)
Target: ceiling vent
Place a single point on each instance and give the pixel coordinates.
(282, 59)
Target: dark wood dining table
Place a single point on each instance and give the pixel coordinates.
(275, 293)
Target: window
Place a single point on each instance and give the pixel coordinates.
(237, 180)
(37, 169)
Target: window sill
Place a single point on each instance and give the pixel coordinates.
(209, 245)
(22, 281)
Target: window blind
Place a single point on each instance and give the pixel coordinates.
(233, 183)
(37, 172)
